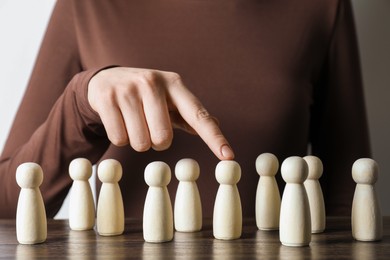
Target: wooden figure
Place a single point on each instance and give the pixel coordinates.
(314, 194)
(158, 215)
(188, 207)
(366, 213)
(31, 223)
(227, 217)
(81, 204)
(110, 211)
(295, 222)
(267, 194)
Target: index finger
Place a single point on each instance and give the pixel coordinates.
(196, 115)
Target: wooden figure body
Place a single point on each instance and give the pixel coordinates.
(188, 207)
(314, 194)
(267, 194)
(158, 215)
(295, 222)
(227, 217)
(81, 204)
(31, 223)
(110, 211)
(366, 214)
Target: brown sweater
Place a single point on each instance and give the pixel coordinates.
(278, 75)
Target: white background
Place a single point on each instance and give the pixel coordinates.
(23, 22)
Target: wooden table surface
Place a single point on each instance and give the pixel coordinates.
(335, 243)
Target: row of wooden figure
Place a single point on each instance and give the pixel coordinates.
(299, 213)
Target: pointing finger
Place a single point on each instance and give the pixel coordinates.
(194, 113)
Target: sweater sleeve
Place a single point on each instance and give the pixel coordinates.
(54, 123)
(339, 131)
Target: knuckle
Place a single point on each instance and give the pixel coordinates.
(148, 77)
(118, 139)
(106, 95)
(104, 101)
(203, 114)
(141, 145)
(174, 77)
(150, 82)
(162, 140)
(127, 91)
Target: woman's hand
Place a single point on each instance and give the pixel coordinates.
(140, 107)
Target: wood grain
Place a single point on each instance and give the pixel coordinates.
(335, 243)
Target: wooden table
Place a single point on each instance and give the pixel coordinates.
(335, 243)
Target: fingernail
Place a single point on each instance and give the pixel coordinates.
(227, 152)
